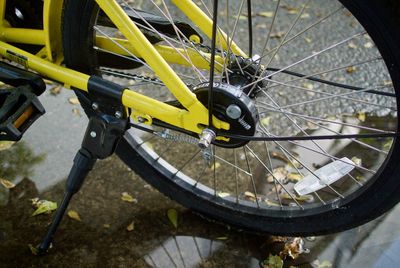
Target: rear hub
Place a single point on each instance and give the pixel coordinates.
(243, 72)
(233, 106)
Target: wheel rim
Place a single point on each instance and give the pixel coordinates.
(260, 176)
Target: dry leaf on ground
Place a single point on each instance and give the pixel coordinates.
(43, 207)
(131, 227)
(6, 183)
(73, 101)
(74, 215)
(173, 217)
(128, 198)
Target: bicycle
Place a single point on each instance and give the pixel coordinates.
(215, 122)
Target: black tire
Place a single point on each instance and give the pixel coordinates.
(380, 18)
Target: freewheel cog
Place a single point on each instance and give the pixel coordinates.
(233, 106)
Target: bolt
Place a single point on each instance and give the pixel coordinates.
(93, 134)
(256, 58)
(207, 137)
(233, 111)
(95, 106)
(141, 119)
(118, 114)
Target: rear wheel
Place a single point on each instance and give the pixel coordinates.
(328, 69)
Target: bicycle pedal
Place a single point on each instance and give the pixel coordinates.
(19, 109)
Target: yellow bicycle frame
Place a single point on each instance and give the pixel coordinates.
(48, 61)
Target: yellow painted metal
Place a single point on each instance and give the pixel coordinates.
(24, 36)
(53, 71)
(204, 22)
(145, 106)
(2, 14)
(197, 58)
(198, 114)
(52, 14)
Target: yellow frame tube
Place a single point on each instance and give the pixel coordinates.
(167, 52)
(197, 117)
(205, 23)
(62, 74)
(25, 36)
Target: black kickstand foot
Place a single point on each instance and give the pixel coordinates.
(83, 163)
(101, 138)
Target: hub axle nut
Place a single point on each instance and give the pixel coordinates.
(207, 137)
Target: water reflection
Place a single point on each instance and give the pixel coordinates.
(17, 162)
(182, 251)
(156, 243)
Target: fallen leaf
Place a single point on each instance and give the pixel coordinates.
(222, 238)
(305, 16)
(311, 238)
(290, 9)
(271, 203)
(361, 116)
(55, 90)
(352, 45)
(76, 112)
(308, 40)
(268, 14)
(265, 121)
(74, 215)
(356, 161)
(292, 249)
(241, 17)
(106, 225)
(273, 261)
(33, 250)
(388, 145)
(279, 34)
(221, 194)
(277, 174)
(325, 264)
(303, 198)
(74, 101)
(350, 69)
(6, 183)
(5, 145)
(387, 83)
(250, 196)
(44, 207)
(308, 86)
(278, 239)
(216, 165)
(368, 45)
(312, 125)
(130, 227)
(128, 198)
(173, 217)
(294, 177)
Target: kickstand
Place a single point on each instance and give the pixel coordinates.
(101, 138)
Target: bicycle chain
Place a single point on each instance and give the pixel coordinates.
(156, 81)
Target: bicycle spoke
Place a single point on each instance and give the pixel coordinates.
(305, 59)
(251, 177)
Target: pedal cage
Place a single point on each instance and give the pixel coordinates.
(19, 109)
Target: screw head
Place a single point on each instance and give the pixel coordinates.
(118, 114)
(95, 106)
(93, 134)
(233, 111)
